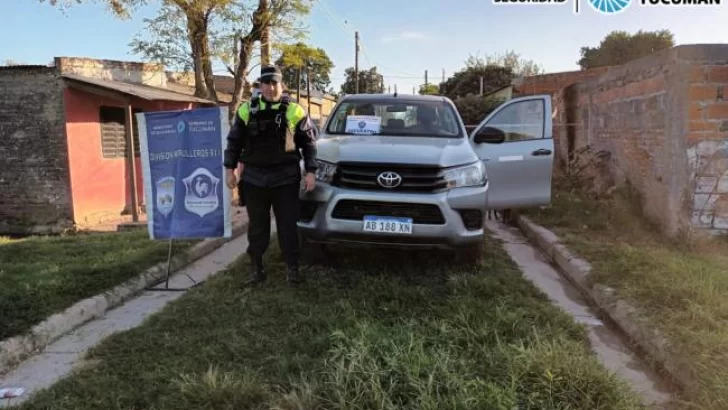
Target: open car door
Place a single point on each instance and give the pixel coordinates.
(516, 144)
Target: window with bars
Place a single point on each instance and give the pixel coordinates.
(113, 132)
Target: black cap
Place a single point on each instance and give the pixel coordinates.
(270, 73)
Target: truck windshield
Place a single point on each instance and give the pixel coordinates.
(395, 118)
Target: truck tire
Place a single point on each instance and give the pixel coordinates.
(471, 254)
(311, 252)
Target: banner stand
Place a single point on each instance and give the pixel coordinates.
(183, 173)
(169, 271)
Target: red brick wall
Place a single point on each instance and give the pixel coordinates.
(552, 83)
(661, 120)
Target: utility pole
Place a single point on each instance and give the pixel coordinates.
(442, 84)
(298, 84)
(389, 89)
(426, 83)
(481, 85)
(356, 63)
(308, 88)
(413, 90)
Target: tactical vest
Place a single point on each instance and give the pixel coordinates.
(270, 138)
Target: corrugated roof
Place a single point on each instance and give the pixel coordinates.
(144, 92)
(190, 90)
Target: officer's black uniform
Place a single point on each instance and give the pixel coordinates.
(266, 138)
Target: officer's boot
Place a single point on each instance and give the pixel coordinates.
(294, 275)
(257, 271)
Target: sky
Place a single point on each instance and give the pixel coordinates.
(402, 38)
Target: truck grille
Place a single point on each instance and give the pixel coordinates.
(355, 210)
(415, 178)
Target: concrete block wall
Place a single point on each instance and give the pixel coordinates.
(124, 71)
(664, 122)
(34, 172)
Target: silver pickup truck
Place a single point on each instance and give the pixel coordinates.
(401, 170)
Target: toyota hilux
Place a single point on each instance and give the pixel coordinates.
(401, 170)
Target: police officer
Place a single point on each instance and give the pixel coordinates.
(266, 137)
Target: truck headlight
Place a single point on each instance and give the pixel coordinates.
(465, 176)
(325, 171)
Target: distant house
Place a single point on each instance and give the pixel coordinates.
(64, 141)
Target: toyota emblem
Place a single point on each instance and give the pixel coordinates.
(389, 179)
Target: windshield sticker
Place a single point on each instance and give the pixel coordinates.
(363, 124)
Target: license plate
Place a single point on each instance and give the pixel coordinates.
(388, 224)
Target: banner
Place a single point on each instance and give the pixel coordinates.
(184, 177)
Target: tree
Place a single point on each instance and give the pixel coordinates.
(474, 108)
(495, 70)
(195, 18)
(429, 89)
(619, 47)
(467, 80)
(299, 55)
(369, 81)
(10, 62)
(510, 59)
(120, 8)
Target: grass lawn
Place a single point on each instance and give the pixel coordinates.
(45, 275)
(680, 286)
(378, 330)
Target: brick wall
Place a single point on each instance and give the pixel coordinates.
(708, 139)
(34, 175)
(557, 84)
(129, 72)
(552, 83)
(664, 123)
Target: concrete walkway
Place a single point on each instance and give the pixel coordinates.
(609, 347)
(66, 354)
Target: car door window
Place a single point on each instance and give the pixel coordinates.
(520, 121)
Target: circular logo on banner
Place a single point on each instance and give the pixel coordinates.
(610, 6)
(201, 186)
(180, 126)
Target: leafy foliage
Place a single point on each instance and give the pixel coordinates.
(429, 89)
(474, 108)
(301, 55)
(121, 8)
(370, 81)
(166, 40)
(467, 80)
(510, 59)
(619, 47)
(496, 71)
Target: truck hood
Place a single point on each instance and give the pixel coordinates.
(443, 152)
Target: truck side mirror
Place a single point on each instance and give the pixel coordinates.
(490, 135)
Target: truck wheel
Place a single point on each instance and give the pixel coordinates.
(311, 252)
(471, 254)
